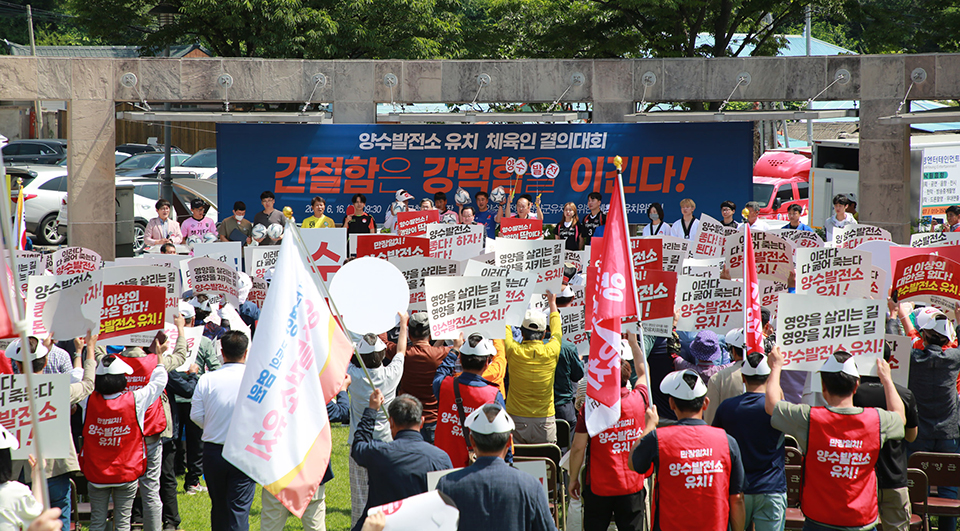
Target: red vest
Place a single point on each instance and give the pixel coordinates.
(693, 485)
(449, 435)
(113, 448)
(154, 420)
(610, 474)
(839, 483)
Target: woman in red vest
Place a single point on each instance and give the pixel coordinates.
(114, 454)
(458, 396)
(609, 487)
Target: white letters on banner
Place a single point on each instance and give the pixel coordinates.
(709, 304)
(543, 257)
(456, 242)
(145, 275)
(773, 254)
(811, 328)
(519, 287)
(574, 319)
(259, 259)
(851, 236)
(328, 248)
(66, 306)
(416, 269)
(799, 238)
(52, 399)
(833, 272)
(465, 305)
(229, 253)
(711, 238)
(212, 276)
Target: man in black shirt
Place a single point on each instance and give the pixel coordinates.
(268, 217)
(894, 499)
(595, 218)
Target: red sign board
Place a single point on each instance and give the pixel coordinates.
(521, 229)
(128, 309)
(415, 223)
(387, 246)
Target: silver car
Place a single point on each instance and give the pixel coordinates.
(44, 188)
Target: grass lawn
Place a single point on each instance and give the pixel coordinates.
(195, 510)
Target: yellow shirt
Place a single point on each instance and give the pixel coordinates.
(313, 222)
(531, 366)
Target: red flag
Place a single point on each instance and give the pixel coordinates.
(753, 324)
(614, 295)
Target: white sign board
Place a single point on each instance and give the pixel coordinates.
(465, 305)
(709, 304)
(67, 306)
(456, 242)
(229, 253)
(52, 399)
(543, 257)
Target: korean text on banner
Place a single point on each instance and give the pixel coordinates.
(709, 304)
(521, 229)
(279, 434)
(711, 237)
(657, 291)
(675, 251)
(833, 272)
(932, 239)
(456, 242)
(66, 306)
(258, 293)
(73, 260)
(229, 253)
(466, 304)
(212, 276)
(145, 275)
(799, 238)
(386, 246)
(414, 223)
(851, 236)
(924, 277)
(769, 295)
(416, 269)
(574, 322)
(812, 328)
(519, 286)
(773, 254)
(647, 253)
(543, 257)
(52, 399)
(752, 320)
(900, 347)
(327, 248)
(129, 308)
(260, 259)
(702, 267)
(29, 264)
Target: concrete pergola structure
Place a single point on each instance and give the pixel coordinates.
(92, 89)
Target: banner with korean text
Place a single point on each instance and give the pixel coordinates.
(711, 237)
(834, 272)
(213, 276)
(465, 305)
(73, 260)
(851, 236)
(799, 238)
(656, 293)
(387, 246)
(52, 399)
(456, 242)
(519, 287)
(773, 255)
(129, 308)
(145, 275)
(259, 259)
(414, 222)
(709, 304)
(66, 305)
(811, 328)
(521, 229)
(543, 257)
(932, 239)
(327, 248)
(929, 278)
(647, 253)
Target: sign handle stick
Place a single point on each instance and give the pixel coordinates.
(17, 310)
(305, 255)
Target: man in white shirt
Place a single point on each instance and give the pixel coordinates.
(687, 226)
(231, 491)
(840, 217)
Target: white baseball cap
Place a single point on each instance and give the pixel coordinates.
(370, 343)
(478, 422)
(403, 195)
(674, 385)
(762, 368)
(534, 320)
(933, 319)
(833, 365)
(476, 345)
(14, 352)
(735, 338)
(117, 366)
(7, 440)
(186, 310)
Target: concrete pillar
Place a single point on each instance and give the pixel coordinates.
(354, 86)
(91, 136)
(884, 198)
(613, 90)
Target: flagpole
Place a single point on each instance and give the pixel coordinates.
(20, 325)
(305, 254)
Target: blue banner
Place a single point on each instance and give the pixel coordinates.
(664, 163)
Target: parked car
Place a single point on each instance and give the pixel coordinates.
(134, 149)
(185, 189)
(148, 164)
(44, 186)
(118, 157)
(35, 151)
(202, 165)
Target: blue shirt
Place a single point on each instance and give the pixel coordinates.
(761, 445)
(489, 219)
(493, 496)
(397, 469)
(569, 371)
(799, 227)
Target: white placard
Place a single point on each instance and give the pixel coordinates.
(769, 290)
(574, 322)
(702, 267)
(73, 260)
(456, 242)
(260, 258)
(52, 394)
(934, 239)
(423, 512)
(710, 238)
(773, 255)
(465, 305)
(212, 276)
(709, 304)
(811, 328)
(193, 335)
(799, 238)
(29, 264)
(229, 253)
(145, 275)
(519, 287)
(851, 236)
(834, 272)
(416, 269)
(675, 251)
(940, 183)
(328, 248)
(67, 305)
(543, 257)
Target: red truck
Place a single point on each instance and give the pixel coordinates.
(780, 179)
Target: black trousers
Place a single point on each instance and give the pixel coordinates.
(231, 491)
(170, 515)
(191, 446)
(627, 511)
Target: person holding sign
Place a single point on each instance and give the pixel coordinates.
(525, 207)
(114, 454)
(162, 229)
(656, 227)
(570, 229)
(687, 226)
(793, 214)
(841, 441)
(840, 217)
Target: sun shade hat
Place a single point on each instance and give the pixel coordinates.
(403, 195)
(186, 309)
(534, 320)
(762, 368)
(117, 366)
(933, 319)
(706, 346)
(7, 440)
(15, 353)
(735, 338)
(476, 345)
(833, 365)
(369, 344)
(674, 385)
(566, 292)
(478, 422)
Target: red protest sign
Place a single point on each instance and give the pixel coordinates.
(646, 253)
(386, 246)
(128, 309)
(521, 229)
(415, 223)
(656, 291)
(926, 275)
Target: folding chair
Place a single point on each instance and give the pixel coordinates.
(919, 488)
(555, 493)
(564, 437)
(794, 456)
(794, 518)
(791, 442)
(942, 470)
